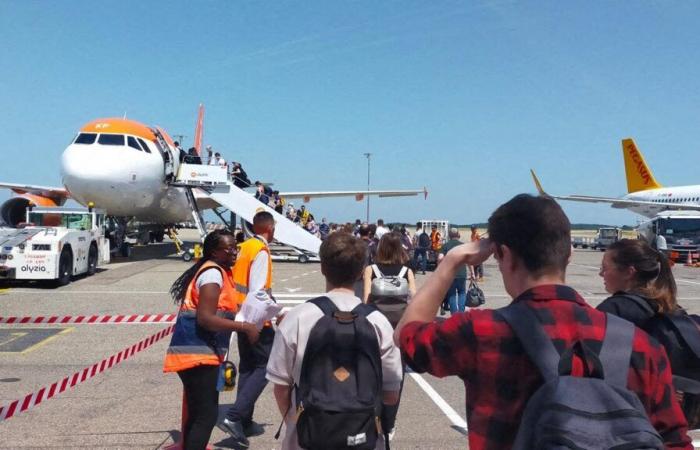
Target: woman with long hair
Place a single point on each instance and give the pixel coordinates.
(392, 260)
(205, 295)
(644, 293)
(632, 268)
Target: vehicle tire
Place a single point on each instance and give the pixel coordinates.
(92, 260)
(575, 245)
(65, 267)
(303, 259)
(187, 256)
(125, 250)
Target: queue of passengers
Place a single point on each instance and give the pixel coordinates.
(546, 371)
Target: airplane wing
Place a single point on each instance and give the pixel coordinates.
(59, 194)
(359, 195)
(614, 202)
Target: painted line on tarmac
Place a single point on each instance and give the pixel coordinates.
(682, 280)
(451, 414)
(47, 392)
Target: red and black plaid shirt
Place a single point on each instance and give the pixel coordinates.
(481, 348)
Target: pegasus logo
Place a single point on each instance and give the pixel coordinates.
(639, 164)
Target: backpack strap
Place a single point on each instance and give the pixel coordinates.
(325, 304)
(377, 272)
(687, 329)
(403, 271)
(364, 309)
(537, 344)
(616, 350)
(640, 301)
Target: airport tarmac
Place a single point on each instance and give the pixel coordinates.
(135, 405)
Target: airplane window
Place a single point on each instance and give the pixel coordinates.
(111, 139)
(144, 145)
(132, 143)
(86, 138)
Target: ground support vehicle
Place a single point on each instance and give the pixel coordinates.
(606, 237)
(54, 244)
(582, 242)
(280, 252)
(676, 233)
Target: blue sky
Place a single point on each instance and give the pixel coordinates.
(461, 97)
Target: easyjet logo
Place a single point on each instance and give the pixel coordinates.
(639, 164)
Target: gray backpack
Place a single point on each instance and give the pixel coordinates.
(595, 411)
(389, 294)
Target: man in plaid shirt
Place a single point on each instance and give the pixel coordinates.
(530, 239)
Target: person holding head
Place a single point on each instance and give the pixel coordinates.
(200, 341)
(342, 260)
(530, 238)
(252, 278)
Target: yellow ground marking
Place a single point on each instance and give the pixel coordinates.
(40, 343)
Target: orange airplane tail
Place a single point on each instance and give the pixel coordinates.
(639, 176)
(199, 130)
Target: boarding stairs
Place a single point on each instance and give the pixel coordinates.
(213, 183)
(168, 157)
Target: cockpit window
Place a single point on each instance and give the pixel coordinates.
(144, 145)
(132, 142)
(85, 138)
(111, 139)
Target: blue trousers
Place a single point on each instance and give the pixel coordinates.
(251, 375)
(457, 295)
(424, 258)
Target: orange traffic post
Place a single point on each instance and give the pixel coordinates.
(689, 261)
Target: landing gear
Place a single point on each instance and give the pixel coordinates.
(125, 250)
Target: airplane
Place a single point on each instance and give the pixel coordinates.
(645, 195)
(128, 169)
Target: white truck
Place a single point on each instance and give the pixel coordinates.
(606, 237)
(54, 244)
(676, 233)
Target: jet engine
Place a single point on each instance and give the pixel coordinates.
(14, 210)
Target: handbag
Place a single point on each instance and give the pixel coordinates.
(475, 296)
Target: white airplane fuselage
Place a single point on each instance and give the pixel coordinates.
(681, 195)
(124, 181)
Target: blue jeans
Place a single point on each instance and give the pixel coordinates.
(423, 252)
(457, 295)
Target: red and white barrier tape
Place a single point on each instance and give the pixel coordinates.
(103, 319)
(56, 388)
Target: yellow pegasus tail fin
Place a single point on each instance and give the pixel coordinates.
(639, 176)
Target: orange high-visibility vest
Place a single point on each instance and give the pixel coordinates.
(191, 344)
(241, 270)
(435, 240)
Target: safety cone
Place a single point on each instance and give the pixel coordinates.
(178, 445)
(689, 261)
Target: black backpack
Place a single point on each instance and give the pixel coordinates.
(424, 241)
(678, 332)
(339, 396)
(591, 412)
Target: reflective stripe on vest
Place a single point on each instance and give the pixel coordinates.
(192, 345)
(249, 250)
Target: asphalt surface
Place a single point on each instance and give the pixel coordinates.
(135, 405)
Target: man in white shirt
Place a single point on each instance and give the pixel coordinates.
(342, 261)
(217, 160)
(252, 277)
(381, 229)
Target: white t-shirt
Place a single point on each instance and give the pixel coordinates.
(381, 231)
(284, 366)
(211, 275)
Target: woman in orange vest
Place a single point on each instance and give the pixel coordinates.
(203, 329)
